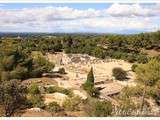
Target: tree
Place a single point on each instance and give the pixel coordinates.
(119, 73)
(19, 73)
(90, 78)
(89, 85)
(148, 75)
(98, 52)
(67, 44)
(16, 63)
(12, 96)
(40, 64)
(8, 62)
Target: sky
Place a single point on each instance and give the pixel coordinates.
(80, 17)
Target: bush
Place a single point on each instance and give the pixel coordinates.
(66, 91)
(72, 104)
(61, 71)
(119, 73)
(102, 109)
(50, 90)
(8, 62)
(19, 73)
(94, 92)
(12, 97)
(59, 89)
(53, 107)
(142, 59)
(33, 89)
(96, 108)
(134, 66)
(37, 101)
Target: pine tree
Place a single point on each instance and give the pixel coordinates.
(90, 78)
(89, 85)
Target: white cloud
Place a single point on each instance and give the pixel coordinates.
(117, 17)
(131, 10)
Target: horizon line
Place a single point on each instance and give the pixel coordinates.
(80, 1)
(78, 33)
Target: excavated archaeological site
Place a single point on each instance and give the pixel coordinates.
(77, 67)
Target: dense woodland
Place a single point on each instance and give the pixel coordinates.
(127, 47)
(23, 57)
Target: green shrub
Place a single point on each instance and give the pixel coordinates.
(134, 66)
(60, 90)
(66, 91)
(102, 109)
(61, 71)
(37, 101)
(142, 59)
(92, 91)
(28, 103)
(50, 90)
(119, 73)
(72, 104)
(8, 62)
(33, 89)
(96, 108)
(19, 73)
(53, 107)
(12, 97)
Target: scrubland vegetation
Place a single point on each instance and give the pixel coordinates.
(23, 58)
